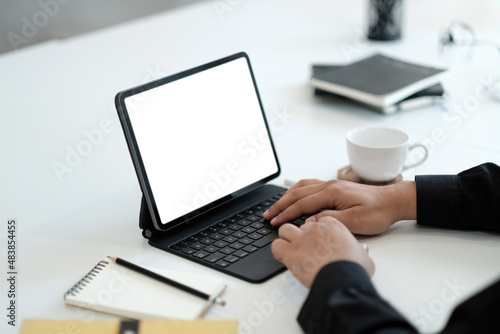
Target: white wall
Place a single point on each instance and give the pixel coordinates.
(64, 18)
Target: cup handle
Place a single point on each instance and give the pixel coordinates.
(414, 164)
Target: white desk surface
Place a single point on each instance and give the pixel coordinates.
(54, 92)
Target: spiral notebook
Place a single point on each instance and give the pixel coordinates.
(113, 289)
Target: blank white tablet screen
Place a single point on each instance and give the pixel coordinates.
(201, 137)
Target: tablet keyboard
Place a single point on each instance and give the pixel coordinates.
(226, 242)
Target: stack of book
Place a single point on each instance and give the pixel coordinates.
(381, 83)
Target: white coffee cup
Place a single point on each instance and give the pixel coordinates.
(378, 154)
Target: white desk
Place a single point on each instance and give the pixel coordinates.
(54, 92)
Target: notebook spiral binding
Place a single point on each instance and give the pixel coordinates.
(87, 278)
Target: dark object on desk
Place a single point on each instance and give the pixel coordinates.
(379, 82)
(424, 98)
(225, 243)
(385, 19)
(166, 280)
(192, 137)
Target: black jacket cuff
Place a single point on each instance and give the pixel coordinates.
(437, 200)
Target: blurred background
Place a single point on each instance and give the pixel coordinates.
(69, 17)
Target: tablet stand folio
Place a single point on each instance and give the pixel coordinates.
(145, 220)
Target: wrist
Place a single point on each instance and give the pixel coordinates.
(403, 200)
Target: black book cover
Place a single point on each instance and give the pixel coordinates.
(378, 80)
(425, 97)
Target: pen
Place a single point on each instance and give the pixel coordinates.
(136, 268)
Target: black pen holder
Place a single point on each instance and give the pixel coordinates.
(385, 19)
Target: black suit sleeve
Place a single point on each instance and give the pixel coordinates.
(469, 200)
(343, 300)
(479, 314)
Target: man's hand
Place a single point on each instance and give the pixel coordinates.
(362, 208)
(305, 250)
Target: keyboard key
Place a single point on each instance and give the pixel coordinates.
(231, 258)
(249, 248)
(248, 229)
(240, 253)
(226, 231)
(217, 236)
(177, 247)
(226, 250)
(246, 240)
(244, 222)
(194, 239)
(230, 238)
(264, 231)
(207, 241)
(231, 220)
(211, 249)
(239, 234)
(297, 222)
(212, 229)
(201, 254)
(252, 218)
(188, 251)
(220, 244)
(235, 227)
(184, 244)
(264, 240)
(255, 236)
(235, 237)
(257, 225)
(212, 258)
(222, 263)
(236, 245)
